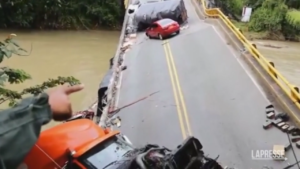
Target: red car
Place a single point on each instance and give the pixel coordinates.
(163, 28)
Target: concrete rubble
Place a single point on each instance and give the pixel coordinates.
(281, 121)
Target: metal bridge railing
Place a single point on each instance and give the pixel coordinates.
(290, 90)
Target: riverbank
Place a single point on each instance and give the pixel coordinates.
(260, 35)
(285, 54)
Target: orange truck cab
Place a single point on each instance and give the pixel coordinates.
(78, 144)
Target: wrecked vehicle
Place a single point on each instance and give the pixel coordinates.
(81, 144)
(150, 12)
(77, 144)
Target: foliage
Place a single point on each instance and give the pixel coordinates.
(293, 18)
(232, 7)
(254, 3)
(16, 76)
(61, 14)
(236, 6)
(277, 19)
(269, 16)
(293, 4)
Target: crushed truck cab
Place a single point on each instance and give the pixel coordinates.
(77, 144)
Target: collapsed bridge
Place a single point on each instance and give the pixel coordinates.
(212, 84)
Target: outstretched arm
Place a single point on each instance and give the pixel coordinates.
(20, 128)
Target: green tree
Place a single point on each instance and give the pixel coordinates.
(61, 14)
(8, 48)
(269, 17)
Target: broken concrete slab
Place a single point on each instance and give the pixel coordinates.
(295, 139)
(281, 124)
(298, 144)
(285, 127)
(268, 124)
(270, 109)
(287, 147)
(291, 129)
(277, 121)
(270, 115)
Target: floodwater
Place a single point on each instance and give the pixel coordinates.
(82, 54)
(286, 57)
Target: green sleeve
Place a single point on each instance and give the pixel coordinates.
(20, 128)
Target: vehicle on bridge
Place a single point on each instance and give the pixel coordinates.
(81, 144)
(163, 28)
(151, 12)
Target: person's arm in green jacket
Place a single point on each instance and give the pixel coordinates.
(20, 128)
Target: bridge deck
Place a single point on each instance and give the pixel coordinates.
(215, 99)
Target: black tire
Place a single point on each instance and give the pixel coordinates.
(177, 32)
(148, 36)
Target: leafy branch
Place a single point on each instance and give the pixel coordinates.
(9, 47)
(14, 96)
(16, 76)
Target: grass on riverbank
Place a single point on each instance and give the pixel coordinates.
(248, 34)
(293, 18)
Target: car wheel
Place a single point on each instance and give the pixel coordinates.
(148, 36)
(177, 32)
(160, 37)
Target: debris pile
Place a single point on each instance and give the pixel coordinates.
(128, 42)
(184, 27)
(281, 121)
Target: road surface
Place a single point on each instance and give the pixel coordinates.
(203, 91)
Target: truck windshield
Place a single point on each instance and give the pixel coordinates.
(105, 153)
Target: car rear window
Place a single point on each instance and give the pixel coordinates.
(165, 22)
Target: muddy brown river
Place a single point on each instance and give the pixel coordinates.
(82, 54)
(285, 55)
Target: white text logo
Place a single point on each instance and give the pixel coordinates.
(268, 155)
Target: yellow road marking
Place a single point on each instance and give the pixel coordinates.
(180, 92)
(180, 103)
(174, 92)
